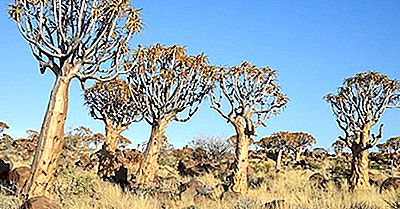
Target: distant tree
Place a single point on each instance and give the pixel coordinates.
(383, 148)
(84, 39)
(276, 144)
(164, 82)
(393, 145)
(111, 102)
(25, 147)
(81, 140)
(320, 152)
(253, 96)
(391, 151)
(298, 141)
(338, 146)
(215, 147)
(358, 106)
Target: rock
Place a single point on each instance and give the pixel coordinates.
(229, 195)
(318, 180)
(86, 162)
(187, 168)
(121, 177)
(5, 168)
(303, 164)
(199, 199)
(390, 183)
(19, 177)
(189, 189)
(40, 203)
(277, 204)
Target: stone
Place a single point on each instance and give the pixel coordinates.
(40, 202)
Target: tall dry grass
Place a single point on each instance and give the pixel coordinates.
(77, 189)
(293, 187)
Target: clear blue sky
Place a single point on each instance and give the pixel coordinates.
(313, 44)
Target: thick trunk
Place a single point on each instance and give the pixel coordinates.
(107, 158)
(360, 162)
(239, 183)
(112, 136)
(278, 161)
(359, 169)
(50, 141)
(149, 165)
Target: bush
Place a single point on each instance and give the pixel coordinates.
(72, 183)
(214, 146)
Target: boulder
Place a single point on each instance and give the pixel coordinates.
(390, 183)
(230, 195)
(5, 168)
(277, 204)
(40, 203)
(189, 189)
(318, 180)
(19, 177)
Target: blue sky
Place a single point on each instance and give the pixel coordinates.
(313, 44)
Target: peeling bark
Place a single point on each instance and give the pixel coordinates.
(239, 183)
(50, 141)
(149, 165)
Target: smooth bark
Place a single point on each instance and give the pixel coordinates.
(50, 140)
(278, 163)
(149, 165)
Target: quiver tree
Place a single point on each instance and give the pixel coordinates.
(253, 96)
(358, 106)
(275, 146)
(338, 147)
(164, 82)
(111, 102)
(383, 148)
(391, 150)
(393, 145)
(299, 141)
(81, 39)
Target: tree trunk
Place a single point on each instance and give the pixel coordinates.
(239, 183)
(149, 165)
(278, 161)
(359, 169)
(107, 159)
(298, 154)
(112, 136)
(50, 140)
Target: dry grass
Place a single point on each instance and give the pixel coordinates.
(84, 190)
(293, 187)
